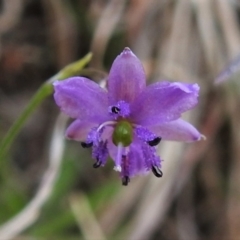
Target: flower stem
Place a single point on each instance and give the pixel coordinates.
(43, 92)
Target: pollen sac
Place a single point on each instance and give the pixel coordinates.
(154, 142)
(122, 134)
(156, 171)
(86, 145)
(115, 109)
(125, 180)
(97, 164)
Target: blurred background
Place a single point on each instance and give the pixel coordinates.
(48, 188)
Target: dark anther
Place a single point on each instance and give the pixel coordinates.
(86, 145)
(156, 171)
(125, 180)
(115, 109)
(154, 142)
(97, 164)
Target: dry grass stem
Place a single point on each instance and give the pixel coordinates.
(62, 31)
(230, 27)
(31, 212)
(85, 217)
(105, 29)
(157, 196)
(208, 34)
(120, 206)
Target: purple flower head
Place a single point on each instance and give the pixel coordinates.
(128, 120)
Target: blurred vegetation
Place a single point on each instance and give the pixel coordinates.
(192, 41)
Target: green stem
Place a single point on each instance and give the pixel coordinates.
(44, 91)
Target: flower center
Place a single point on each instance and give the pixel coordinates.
(123, 133)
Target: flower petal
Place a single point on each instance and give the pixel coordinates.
(163, 102)
(126, 78)
(81, 98)
(178, 130)
(138, 165)
(78, 130)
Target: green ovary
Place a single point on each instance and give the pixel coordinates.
(123, 133)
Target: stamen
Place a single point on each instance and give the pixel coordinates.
(121, 108)
(108, 123)
(154, 142)
(118, 161)
(156, 171)
(95, 135)
(97, 164)
(100, 153)
(86, 145)
(153, 162)
(125, 180)
(125, 169)
(146, 135)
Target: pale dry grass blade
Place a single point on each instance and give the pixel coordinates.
(157, 195)
(230, 27)
(179, 53)
(231, 36)
(233, 205)
(105, 28)
(120, 206)
(210, 127)
(186, 215)
(140, 30)
(85, 218)
(176, 50)
(62, 31)
(31, 212)
(207, 29)
(136, 15)
(235, 3)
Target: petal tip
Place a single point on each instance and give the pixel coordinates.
(117, 168)
(69, 136)
(126, 78)
(55, 83)
(202, 137)
(127, 52)
(195, 87)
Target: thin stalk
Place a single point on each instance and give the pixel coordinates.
(43, 92)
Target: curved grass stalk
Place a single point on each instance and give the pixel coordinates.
(44, 91)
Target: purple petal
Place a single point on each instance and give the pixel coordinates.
(163, 102)
(78, 130)
(138, 164)
(178, 130)
(81, 98)
(126, 78)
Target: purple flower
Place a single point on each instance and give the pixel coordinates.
(128, 120)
